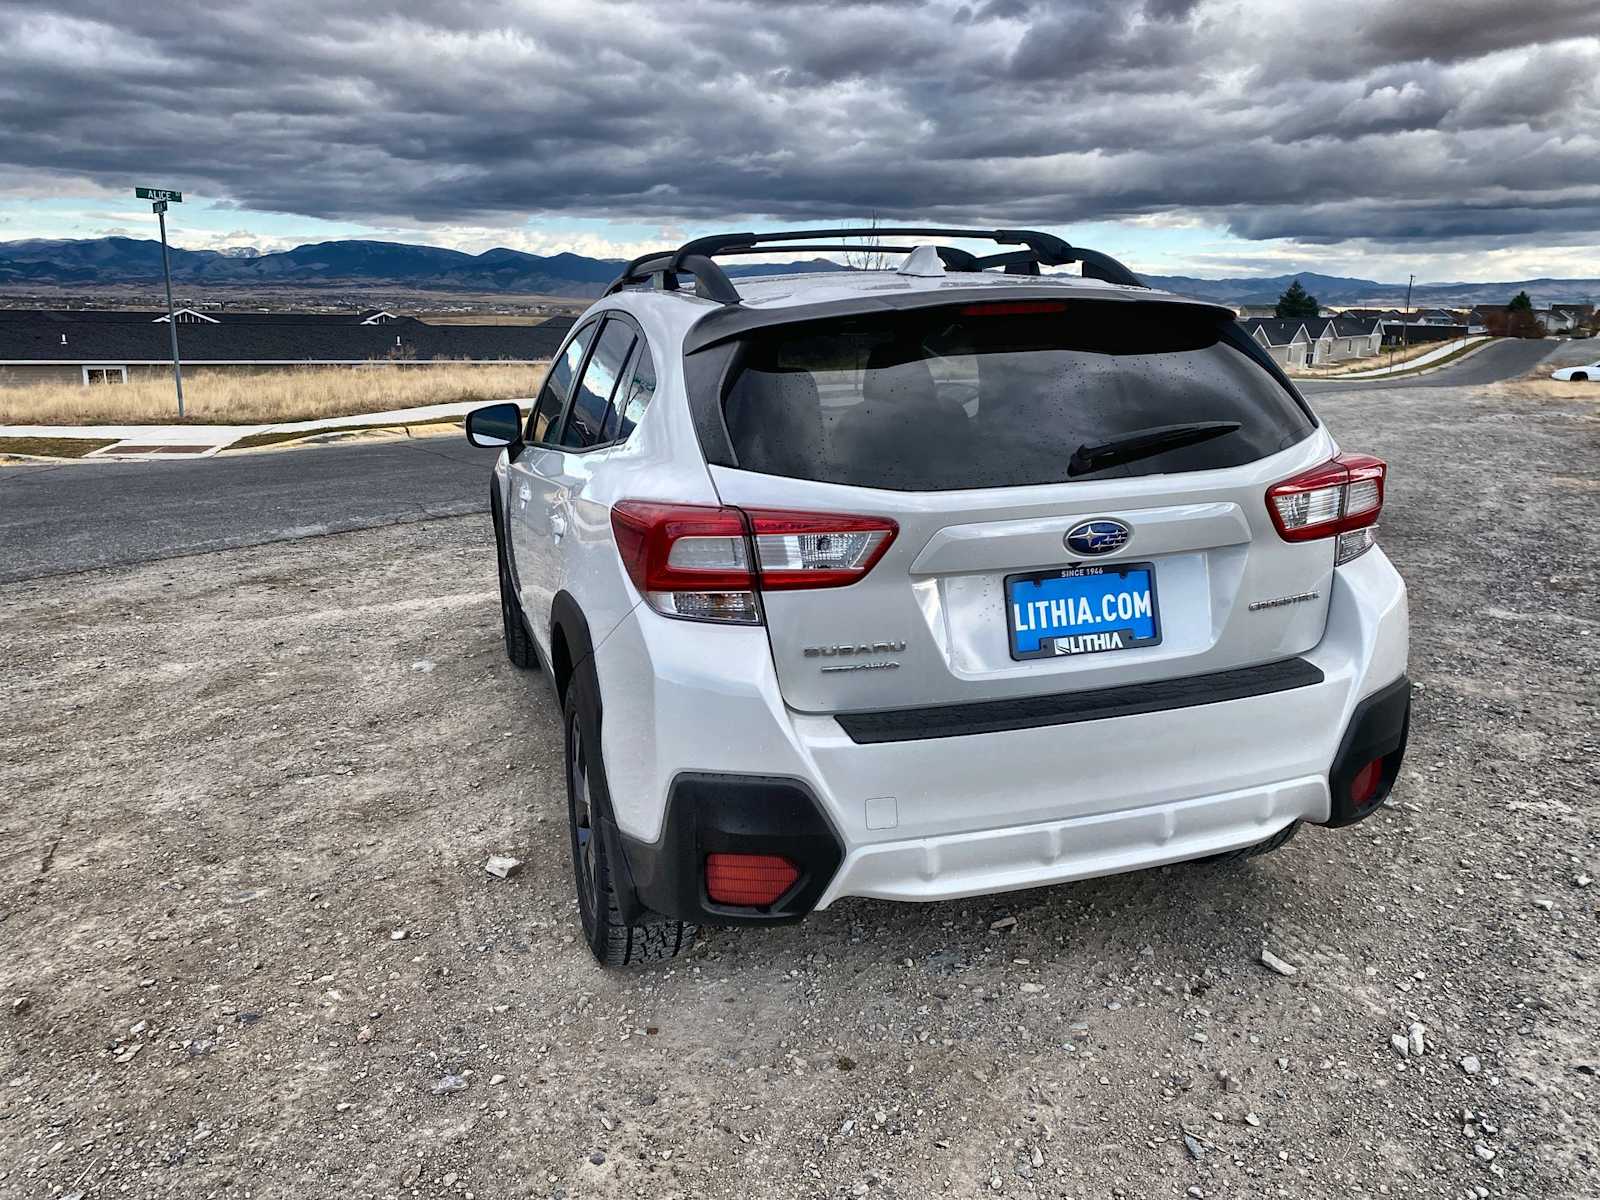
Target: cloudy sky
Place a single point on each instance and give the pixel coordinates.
(1459, 139)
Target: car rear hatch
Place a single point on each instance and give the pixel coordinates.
(1076, 492)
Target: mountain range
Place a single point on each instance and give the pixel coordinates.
(369, 265)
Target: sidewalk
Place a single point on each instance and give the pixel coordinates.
(1445, 350)
(202, 441)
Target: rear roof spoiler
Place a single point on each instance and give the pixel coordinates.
(733, 321)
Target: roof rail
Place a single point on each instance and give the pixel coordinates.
(662, 267)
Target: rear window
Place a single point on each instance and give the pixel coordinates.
(998, 395)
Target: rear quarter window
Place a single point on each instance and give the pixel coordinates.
(996, 395)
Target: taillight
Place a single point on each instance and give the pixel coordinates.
(708, 564)
(1343, 497)
(816, 550)
(688, 560)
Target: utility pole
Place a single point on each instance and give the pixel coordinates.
(159, 198)
(1405, 325)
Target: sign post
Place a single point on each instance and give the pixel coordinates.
(159, 198)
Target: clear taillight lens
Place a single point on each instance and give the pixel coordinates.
(701, 563)
(1343, 497)
(816, 550)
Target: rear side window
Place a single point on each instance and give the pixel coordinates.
(586, 420)
(998, 395)
(634, 397)
(557, 387)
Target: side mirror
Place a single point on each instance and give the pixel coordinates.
(495, 425)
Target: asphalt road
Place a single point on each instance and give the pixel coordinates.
(1503, 360)
(80, 516)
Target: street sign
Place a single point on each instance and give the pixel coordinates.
(159, 198)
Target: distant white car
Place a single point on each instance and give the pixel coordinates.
(1578, 373)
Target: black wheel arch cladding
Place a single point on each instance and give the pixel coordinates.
(569, 627)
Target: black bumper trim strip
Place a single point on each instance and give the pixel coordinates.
(1067, 708)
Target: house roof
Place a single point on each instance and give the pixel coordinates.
(40, 340)
(1348, 326)
(1281, 331)
(104, 316)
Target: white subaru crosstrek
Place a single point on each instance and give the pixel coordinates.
(933, 582)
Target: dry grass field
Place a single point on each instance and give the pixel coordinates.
(234, 397)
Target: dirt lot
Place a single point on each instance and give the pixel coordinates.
(245, 930)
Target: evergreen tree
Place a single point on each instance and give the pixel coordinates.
(1296, 302)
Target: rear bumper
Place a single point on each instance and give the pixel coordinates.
(958, 814)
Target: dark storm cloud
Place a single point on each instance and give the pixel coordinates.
(1372, 120)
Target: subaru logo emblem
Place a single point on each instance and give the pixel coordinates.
(1100, 536)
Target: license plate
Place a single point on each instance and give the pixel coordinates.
(1082, 610)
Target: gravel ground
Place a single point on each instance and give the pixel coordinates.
(246, 934)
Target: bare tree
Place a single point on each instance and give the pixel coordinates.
(866, 253)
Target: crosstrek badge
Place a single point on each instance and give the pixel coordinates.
(1082, 610)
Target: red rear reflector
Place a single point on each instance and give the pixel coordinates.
(1342, 494)
(748, 880)
(1013, 308)
(1365, 785)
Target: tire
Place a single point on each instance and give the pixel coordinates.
(613, 942)
(519, 645)
(1580, 377)
(1282, 838)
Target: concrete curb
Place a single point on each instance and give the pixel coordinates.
(205, 441)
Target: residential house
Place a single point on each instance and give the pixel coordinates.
(89, 347)
(1433, 316)
(1582, 315)
(1314, 341)
(1560, 318)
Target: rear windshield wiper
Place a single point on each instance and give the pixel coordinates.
(1143, 443)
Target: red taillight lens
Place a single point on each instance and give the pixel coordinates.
(1365, 785)
(748, 880)
(1341, 495)
(707, 564)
